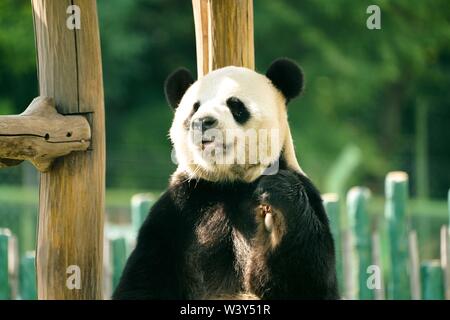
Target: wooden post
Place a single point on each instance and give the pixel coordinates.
(70, 232)
(359, 223)
(224, 34)
(396, 190)
(331, 204)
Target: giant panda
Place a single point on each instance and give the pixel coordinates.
(234, 228)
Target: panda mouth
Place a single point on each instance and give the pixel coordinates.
(207, 142)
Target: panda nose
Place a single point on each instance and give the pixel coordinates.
(204, 123)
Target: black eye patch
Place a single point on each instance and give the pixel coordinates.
(194, 110)
(238, 110)
(196, 106)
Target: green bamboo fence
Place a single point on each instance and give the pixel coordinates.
(396, 190)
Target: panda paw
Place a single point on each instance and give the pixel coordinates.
(281, 190)
(275, 196)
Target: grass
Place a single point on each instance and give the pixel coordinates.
(30, 196)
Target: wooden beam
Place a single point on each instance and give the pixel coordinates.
(40, 134)
(224, 34)
(71, 208)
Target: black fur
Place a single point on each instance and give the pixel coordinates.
(238, 110)
(287, 77)
(201, 240)
(176, 85)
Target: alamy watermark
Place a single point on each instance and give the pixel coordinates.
(374, 20)
(73, 281)
(74, 19)
(235, 146)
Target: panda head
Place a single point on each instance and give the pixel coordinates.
(231, 124)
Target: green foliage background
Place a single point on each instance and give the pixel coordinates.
(362, 86)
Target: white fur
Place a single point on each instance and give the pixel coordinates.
(265, 104)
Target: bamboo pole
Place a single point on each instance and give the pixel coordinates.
(70, 231)
(432, 280)
(331, 204)
(414, 265)
(140, 207)
(349, 274)
(359, 223)
(396, 190)
(379, 293)
(27, 277)
(445, 260)
(118, 256)
(421, 149)
(447, 269)
(5, 283)
(224, 34)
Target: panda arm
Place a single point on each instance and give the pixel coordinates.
(293, 256)
(153, 268)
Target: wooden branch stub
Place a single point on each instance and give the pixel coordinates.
(40, 134)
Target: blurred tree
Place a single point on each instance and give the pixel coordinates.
(362, 86)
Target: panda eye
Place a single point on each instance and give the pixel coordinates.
(196, 106)
(238, 110)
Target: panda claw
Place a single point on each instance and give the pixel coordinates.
(265, 212)
(268, 222)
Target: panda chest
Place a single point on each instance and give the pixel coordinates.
(223, 226)
(213, 228)
(218, 252)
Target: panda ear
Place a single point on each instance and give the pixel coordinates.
(287, 77)
(176, 85)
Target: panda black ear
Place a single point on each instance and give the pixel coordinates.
(286, 76)
(176, 85)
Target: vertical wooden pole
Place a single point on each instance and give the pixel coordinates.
(224, 34)
(396, 190)
(70, 231)
(359, 223)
